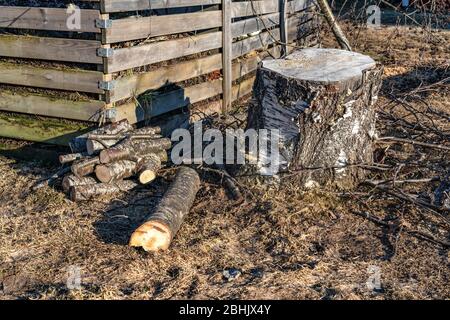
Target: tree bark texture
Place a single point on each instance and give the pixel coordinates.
(323, 103)
(161, 227)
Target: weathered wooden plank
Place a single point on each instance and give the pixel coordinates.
(44, 130)
(250, 25)
(57, 49)
(227, 40)
(110, 6)
(128, 58)
(142, 27)
(51, 107)
(69, 80)
(40, 18)
(139, 83)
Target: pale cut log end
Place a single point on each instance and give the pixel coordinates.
(103, 173)
(151, 236)
(147, 176)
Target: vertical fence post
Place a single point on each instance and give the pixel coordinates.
(283, 27)
(227, 41)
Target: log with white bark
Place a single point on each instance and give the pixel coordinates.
(87, 192)
(323, 103)
(71, 180)
(97, 142)
(71, 157)
(133, 149)
(78, 144)
(148, 169)
(114, 171)
(162, 225)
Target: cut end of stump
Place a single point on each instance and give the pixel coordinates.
(151, 236)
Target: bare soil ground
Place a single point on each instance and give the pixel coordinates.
(286, 243)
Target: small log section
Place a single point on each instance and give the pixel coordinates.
(161, 227)
(322, 100)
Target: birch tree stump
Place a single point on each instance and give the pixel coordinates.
(322, 101)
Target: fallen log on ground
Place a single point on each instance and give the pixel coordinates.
(72, 180)
(78, 144)
(131, 149)
(161, 227)
(87, 192)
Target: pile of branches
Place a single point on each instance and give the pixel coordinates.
(106, 158)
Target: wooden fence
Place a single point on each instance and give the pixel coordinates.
(106, 60)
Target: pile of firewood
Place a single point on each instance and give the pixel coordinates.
(106, 157)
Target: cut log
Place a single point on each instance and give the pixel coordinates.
(134, 149)
(163, 156)
(71, 157)
(322, 102)
(85, 167)
(98, 141)
(95, 146)
(119, 170)
(161, 227)
(71, 180)
(148, 169)
(78, 144)
(87, 192)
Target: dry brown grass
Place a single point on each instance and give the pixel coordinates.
(288, 244)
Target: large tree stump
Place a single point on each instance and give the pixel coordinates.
(322, 100)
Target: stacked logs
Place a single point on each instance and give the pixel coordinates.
(104, 158)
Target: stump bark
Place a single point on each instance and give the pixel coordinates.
(323, 103)
(161, 227)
